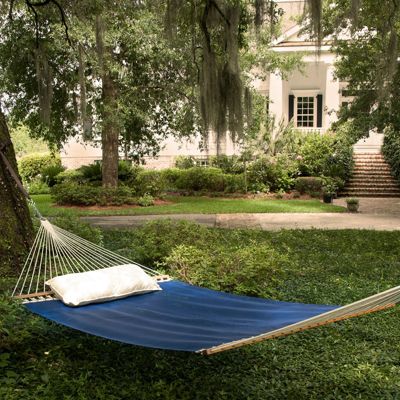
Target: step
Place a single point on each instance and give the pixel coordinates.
(373, 159)
(367, 194)
(362, 159)
(368, 156)
(372, 169)
(373, 179)
(373, 184)
(355, 191)
(372, 164)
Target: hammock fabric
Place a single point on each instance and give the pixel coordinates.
(180, 317)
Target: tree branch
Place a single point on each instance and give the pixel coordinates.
(10, 10)
(31, 5)
(214, 3)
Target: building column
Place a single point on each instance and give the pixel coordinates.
(276, 98)
(332, 97)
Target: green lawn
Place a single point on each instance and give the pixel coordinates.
(354, 359)
(195, 205)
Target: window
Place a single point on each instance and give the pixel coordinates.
(306, 108)
(305, 112)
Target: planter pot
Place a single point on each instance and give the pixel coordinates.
(352, 207)
(327, 198)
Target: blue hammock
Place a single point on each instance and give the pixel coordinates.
(180, 317)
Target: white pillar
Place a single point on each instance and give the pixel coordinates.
(276, 98)
(332, 97)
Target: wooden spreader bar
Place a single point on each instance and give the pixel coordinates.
(158, 278)
(265, 336)
(33, 295)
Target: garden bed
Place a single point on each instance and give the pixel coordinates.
(157, 202)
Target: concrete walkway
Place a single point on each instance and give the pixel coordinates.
(378, 214)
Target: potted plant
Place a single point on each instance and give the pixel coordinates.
(329, 190)
(352, 204)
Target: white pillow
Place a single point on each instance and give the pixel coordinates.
(102, 285)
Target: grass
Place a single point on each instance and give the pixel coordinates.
(354, 359)
(195, 205)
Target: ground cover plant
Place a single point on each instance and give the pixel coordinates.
(190, 205)
(358, 358)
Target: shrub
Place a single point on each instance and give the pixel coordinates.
(233, 270)
(352, 200)
(149, 181)
(37, 186)
(71, 175)
(70, 193)
(309, 185)
(171, 175)
(185, 162)
(329, 154)
(391, 150)
(228, 164)
(127, 172)
(203, 179)
(329, 185)
(146, 201)
(272, 174)
(91, 172)
(197, 179)
(33, 165)
(155, 240)
(235, 183)
(49, 174)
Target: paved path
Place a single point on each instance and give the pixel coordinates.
(378, 214)
(370, 205)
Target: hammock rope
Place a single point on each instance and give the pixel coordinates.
(56, 251)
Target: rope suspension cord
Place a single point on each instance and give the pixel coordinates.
(59, 252)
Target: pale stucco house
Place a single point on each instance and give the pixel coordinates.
(310, 97)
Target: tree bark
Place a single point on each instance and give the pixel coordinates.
(16, 230)
(110, 132)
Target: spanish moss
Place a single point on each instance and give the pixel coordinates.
(44, 79)
(82, 89)
(314, 10)
(220, 80)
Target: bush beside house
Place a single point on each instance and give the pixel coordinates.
(391, 151)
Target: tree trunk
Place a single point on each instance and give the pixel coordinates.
(110, 132)
(15, 221)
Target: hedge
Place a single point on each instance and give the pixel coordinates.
(33, 165)
(70, 193)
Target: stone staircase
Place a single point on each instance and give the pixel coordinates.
(371, 178)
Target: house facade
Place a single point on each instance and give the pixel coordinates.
(309, 96)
